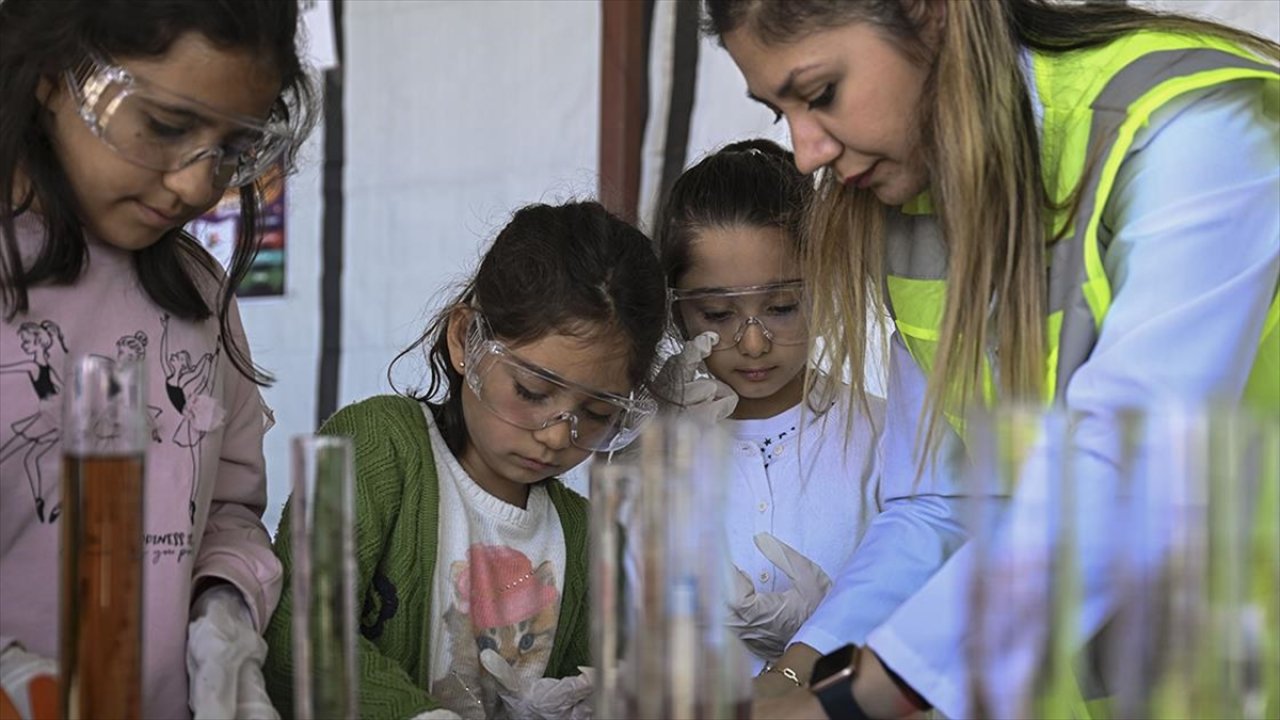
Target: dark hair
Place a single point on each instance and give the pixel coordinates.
(572, 269)
(751, 183)
(40, 40)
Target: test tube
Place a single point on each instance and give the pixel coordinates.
(1024, 579)
(104, 441)
(659, 602)
(322, 523)
(608, 489)
(988, 466)
(1193, 641)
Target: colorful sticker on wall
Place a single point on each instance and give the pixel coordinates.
(218, 229)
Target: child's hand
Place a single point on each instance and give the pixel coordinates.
(706, 399)
(224, 658)
(766, 622)
(437, 714)
(28, 684)
(541, 699)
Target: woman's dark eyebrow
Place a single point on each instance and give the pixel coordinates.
(788, 87)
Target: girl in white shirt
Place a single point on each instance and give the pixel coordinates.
(729, 240)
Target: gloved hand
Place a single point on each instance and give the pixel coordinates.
(28, 684)
(224, 659)
(766, 622)
(705, 399)
(544, 698)
(437, 714)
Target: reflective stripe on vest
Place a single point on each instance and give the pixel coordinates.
(1079, 292)
(1078, 286)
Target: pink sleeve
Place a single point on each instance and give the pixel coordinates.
(235, 546)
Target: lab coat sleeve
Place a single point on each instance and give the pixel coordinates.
(917, 528)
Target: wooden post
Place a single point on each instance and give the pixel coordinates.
(624, 102)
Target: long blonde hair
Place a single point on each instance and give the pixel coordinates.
(980, 144)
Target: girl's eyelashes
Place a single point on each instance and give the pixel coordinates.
(527, 394)
(824, 98)
(164, 130)
(599, 418)
(777, 115)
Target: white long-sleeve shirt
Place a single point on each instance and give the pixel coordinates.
(1194, 261)
(801, 476)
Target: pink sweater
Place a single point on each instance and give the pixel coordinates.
(206, 451)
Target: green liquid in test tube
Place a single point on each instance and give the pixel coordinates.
(324, 606)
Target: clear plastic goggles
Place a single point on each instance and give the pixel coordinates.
(534, 398)
(779, 310)
(162, 130)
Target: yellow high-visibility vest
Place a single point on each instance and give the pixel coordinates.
(1095, 101)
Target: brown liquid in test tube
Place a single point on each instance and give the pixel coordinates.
(102, 586)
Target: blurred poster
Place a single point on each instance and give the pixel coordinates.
(218, 229)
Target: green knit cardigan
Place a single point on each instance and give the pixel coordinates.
(397, 505)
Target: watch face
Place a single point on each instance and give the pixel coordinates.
(833, 663)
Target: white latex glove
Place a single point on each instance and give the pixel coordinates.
(544, 698)
(437, 714)
(28, 684)
(705, 399)
(224, 659)
(766, 622)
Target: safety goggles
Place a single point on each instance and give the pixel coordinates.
(534, 398)
(161, 130)
(778, 309)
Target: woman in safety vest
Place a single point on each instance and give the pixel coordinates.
(962, 149)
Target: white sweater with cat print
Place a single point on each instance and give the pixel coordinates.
(498, 582)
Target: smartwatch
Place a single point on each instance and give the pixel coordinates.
(832, 683)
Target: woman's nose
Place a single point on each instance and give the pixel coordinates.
(814, 146)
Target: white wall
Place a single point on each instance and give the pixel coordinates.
(1261, 17)
(457, 112)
